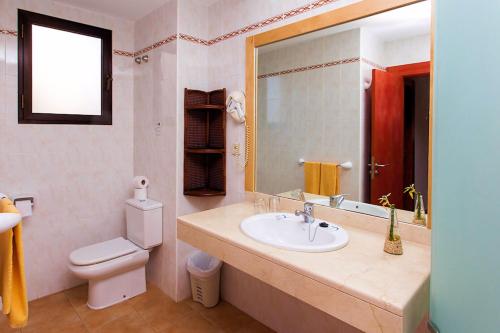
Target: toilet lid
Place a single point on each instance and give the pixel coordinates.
(100, 252)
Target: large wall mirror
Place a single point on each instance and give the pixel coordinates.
(342, 113)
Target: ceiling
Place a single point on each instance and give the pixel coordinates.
(129, 9)
(404, 22)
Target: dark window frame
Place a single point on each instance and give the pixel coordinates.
(25, 115)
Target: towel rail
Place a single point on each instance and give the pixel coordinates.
(346, 165)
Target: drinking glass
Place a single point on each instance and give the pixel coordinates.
(260, 206)
(274, 204)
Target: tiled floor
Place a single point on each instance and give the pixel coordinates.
(147, 313)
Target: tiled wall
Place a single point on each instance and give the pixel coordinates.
(193, 69)
(312, 114)
(155, 128)
(407, 50)
(79, 175)
(175, 63)
(394, 52)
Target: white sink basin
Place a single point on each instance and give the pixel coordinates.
(287, 231)
(354, 206)
(8, 220)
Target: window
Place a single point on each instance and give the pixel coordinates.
(65, 71)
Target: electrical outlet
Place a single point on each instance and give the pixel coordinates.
(236, 149)
(158, 129)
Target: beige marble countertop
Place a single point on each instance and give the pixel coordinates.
(361, 269)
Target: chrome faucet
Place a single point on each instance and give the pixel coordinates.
(308, 212)
(336, 200)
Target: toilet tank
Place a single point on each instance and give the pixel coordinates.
(144, 222)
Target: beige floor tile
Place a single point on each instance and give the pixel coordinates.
(130, 323)
(254, 327)
(162, 313)
(150, 312)
(50, 313)
(56, 327)
(194, 323)
(225, 316)
(78, 295)
(152, 295)
(96, 318)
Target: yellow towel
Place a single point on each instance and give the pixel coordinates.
(13, 283)
(312, 175)
(329, 183)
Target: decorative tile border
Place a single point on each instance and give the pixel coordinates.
(123, 53)
(162, 42)
(311, 67)
(271, 20)
(373, 64)
(194, 39)
(8, 32)
(248, 28)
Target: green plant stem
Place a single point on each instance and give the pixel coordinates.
(419, 206)
(391, 229)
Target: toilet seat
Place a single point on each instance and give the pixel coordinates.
(102, 252)
(102, 260)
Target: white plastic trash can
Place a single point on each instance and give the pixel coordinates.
(204, 271)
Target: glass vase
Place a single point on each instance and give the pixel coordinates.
(419, 216)
(393, 244)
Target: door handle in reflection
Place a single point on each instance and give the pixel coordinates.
(374, 167)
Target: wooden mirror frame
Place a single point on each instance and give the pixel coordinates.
(332, 18)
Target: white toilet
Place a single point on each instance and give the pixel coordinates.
(116, 268)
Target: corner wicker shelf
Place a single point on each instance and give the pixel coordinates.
(204, 143)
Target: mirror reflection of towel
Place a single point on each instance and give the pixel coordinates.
(329, 180)
(312, 177)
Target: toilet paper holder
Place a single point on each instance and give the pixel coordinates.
(24, 203)
(23, 198)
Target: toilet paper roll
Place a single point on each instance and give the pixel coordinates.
(141, 194)
(140, 182)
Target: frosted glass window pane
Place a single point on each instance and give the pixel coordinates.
(66, 72)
